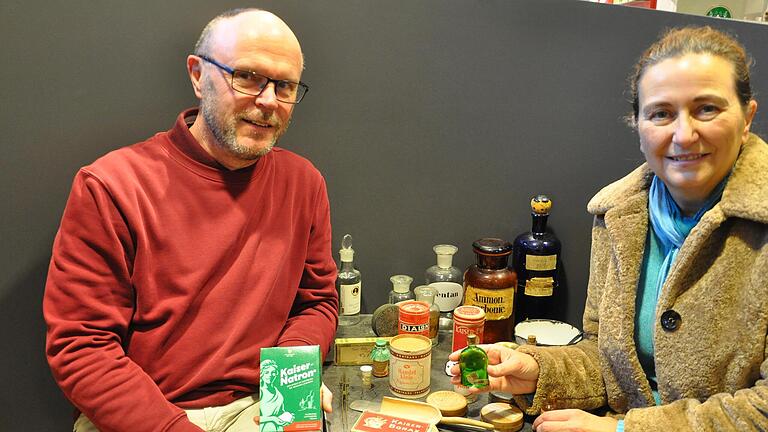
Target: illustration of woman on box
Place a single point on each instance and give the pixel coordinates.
(273, 414)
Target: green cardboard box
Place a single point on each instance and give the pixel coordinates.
(289, 389)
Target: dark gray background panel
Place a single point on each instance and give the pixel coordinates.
(434, 121)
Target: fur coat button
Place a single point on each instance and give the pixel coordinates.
(670, 320)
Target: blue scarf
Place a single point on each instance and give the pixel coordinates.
(669, 228)
(669, 224)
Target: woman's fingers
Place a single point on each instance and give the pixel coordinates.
(573, 420)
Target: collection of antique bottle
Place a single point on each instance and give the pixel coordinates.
(481, 304)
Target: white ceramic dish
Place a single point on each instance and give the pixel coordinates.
(548, 332)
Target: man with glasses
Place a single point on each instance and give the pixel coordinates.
(179, 257)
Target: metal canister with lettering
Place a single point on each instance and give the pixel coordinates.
(410, 364)
(413, 318)
(467, 319)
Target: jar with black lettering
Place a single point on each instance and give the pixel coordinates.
(490, 285)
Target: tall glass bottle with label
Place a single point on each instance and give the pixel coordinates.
(536, 257)
(448, 281)
(349, 284)
(490, 285)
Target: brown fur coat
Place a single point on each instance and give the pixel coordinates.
(712, 370)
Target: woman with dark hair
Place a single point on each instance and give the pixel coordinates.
(676, 316)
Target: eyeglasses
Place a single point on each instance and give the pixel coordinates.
(251, 83)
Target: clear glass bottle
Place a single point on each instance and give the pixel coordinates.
(447, 280)
(473, 363)
(490, 285)
(401, 288)
(349, 284)
(366, 376)
(536, 260)
(427, 294)
(380, 358)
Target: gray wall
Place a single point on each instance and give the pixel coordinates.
(434, 121)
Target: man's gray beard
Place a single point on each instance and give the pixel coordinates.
(224, 131)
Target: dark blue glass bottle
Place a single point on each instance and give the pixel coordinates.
(536, 258)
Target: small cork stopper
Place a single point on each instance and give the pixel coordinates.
(541, 205)
(472, 339)
(503, 416)
(450, 404)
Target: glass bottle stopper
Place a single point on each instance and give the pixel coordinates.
(346, 252)
(445, 254)
(401, 283)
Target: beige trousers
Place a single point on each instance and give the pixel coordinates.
(233, 417)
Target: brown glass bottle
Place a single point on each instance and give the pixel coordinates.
(490, 285)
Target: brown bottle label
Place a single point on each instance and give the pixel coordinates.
(539, 286)
(540, 262)
(496, 303)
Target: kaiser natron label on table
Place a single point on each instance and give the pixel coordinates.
(289, 389)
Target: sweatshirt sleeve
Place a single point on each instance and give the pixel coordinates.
(745, 410)
(87, 306)
(314, 313)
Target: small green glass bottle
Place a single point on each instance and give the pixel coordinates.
(380, 357)
(473, 362)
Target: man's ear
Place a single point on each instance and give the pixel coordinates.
(194, 69)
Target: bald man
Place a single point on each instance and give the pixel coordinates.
(180, 257)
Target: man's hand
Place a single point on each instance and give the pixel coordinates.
(573, 420)
(327, 399)
(508, 370)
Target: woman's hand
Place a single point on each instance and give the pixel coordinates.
(573, 420)
(508, 370)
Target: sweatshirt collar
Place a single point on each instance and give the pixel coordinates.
(186, 150)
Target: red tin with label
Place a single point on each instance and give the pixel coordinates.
(466, 320)
(413, 318)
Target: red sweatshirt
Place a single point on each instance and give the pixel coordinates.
(169, 273)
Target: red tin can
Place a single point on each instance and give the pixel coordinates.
(413, 318)
(467, 319)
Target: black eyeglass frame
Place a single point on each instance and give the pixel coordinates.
(301, 88)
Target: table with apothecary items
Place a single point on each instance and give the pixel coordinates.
(346, 383)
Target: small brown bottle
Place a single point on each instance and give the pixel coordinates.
(490, 285)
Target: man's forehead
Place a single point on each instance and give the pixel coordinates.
(252, 26)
